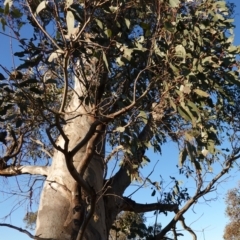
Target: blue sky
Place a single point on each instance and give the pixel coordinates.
(207, 218)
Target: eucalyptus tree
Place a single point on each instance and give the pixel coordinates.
(232, 211)
(103, 81)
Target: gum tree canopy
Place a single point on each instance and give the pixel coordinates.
(99, 83)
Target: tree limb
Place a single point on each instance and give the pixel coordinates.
(19, 170)
(42, 29)
(178, 216)
(43, 147)
(132, 206)
(24, 231)
(14, 149)
(121, 180)
(187, 228)
(87, 137)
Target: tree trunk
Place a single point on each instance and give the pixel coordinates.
(55, 210)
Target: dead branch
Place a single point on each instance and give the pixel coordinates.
(19, 170)
(24, 231)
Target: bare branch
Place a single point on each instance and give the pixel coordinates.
(187, 228)
(77, 177)
(87, 219)
(42, 29)
(52, 141)
(198, 194)
(19, 170)
(43, 147)
(65, 73)
(87, 137)
(132, 206)
(24, 231)
(14, 149)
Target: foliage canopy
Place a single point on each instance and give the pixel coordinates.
(137, 74)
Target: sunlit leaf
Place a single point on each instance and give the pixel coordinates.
(174, 3)
(105, 60)
(201, 93)
(41, 6)
(55, 55)
(127, 22)
(70, 22)
(120, 129)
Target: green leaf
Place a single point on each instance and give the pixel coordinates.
(99, 23)
(174, 3)
(176, 190)
(193, 107)
(180, 52)
(28, 81)
(3, 22)
(36, 90)
(8, 2)
(2, 77)
(120, 129)
(143, 115)
(19, 54)
(19, 123)
(40, 7)
(16, 13)
(108, 33)
(7, 7)
(127, 22)
(201, 93)
(48, 81)
(113, 9)
(197, 166)
(127, 53)
(169, 26)
(182, 157)
(105, 60)
(58, 53)
(153, 193)
(191, 150)
(175, 69)
(3, 110)
(183, 114)
(173, 104)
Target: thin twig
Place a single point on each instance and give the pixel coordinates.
(24, 231)
(41, 28)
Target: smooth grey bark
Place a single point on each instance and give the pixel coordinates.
(55, 211)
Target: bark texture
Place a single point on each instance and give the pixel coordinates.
(54, 218)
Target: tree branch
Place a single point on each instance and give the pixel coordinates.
(178, 216)
(65, 73)
(132, 206)
(87, 137)
(43, 147)
(24, 231)
(121, 180)
(19, 170)
(42, 29)
(187, 228)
